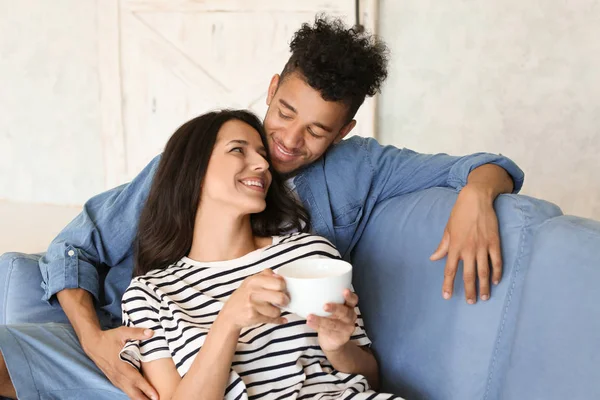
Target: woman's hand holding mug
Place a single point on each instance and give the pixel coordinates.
(257, 301)
(335, 331)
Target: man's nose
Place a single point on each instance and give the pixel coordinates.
(292, 138)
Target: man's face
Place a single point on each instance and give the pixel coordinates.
(301, 125)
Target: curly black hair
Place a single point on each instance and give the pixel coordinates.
(343, 64)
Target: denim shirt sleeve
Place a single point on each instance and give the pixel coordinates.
(400, 171)
(103, 233)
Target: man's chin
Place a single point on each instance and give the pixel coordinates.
(285, 169)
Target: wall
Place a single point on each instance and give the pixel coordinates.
(50, 145)
(513, 77)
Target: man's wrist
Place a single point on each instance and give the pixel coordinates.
(489, 180)
(481, 190)
(78, 305)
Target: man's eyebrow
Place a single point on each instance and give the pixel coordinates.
(288, 106)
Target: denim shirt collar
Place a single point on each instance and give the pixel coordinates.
(312, 190)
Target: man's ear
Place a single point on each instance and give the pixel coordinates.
(344, 131)
(272, 88)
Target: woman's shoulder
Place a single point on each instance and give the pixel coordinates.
(139, 290)
(307, 241)
(147, 285)
(298, 237)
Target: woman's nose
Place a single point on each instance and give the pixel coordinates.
(260, 163)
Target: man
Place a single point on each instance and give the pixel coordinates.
(311, 109)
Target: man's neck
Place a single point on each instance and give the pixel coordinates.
(221, 236)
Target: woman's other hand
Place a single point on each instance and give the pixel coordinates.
(335, 331)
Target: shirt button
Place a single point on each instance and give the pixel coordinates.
(71, 253)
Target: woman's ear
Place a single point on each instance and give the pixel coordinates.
(272, 88)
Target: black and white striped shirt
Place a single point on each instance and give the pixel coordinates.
(180, 304)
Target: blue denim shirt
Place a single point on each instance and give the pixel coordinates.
(94, 252)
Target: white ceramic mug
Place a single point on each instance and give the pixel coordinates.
(313, 282)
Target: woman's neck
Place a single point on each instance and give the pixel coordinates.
(222, 236)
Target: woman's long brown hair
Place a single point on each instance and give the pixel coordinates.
(166, 226)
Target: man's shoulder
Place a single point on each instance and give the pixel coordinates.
(349, 157)
(356, 147)
(352, 144)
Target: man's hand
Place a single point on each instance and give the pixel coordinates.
(104, 347)
(471, 235)
(335, 331)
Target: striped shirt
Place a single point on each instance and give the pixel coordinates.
(181, 302)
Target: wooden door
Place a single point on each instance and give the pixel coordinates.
(163, 62)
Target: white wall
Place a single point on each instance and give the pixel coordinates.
(521, 78)
(50, 145)
(29, 228)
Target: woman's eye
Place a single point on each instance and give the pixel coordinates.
(237, 150)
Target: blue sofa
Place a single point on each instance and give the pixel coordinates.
(538, 337)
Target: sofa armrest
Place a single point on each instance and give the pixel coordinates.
(430, 348)
(558, 326)
(21, 292)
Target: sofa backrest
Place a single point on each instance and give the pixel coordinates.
(428, 347)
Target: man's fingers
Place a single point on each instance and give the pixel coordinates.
(134, 384)
(442, 249)
(449, 275)
(140, 384)
(483, 273)
(470, 277)
(496, 257)
(129, 333)
(146, 389)
(136, 394)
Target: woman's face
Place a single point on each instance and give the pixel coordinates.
(238, 176)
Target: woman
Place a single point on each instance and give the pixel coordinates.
(209, 239)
